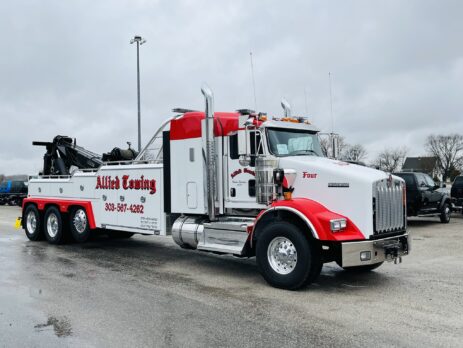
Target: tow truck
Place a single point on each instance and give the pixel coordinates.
(235, 183)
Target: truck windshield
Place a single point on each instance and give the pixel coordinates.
(293, 142)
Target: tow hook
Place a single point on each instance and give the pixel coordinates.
(392, 252)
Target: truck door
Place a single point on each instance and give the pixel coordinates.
(426, 192)
(242, 179)
(434, 196)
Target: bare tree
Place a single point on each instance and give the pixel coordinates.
(391, 160)
(356, 153)
(326, 144)
(448, 149)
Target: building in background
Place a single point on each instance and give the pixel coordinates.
(426, 165)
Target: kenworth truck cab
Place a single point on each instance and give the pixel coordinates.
(233, 183)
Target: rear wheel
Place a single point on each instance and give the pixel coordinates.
(286, 258)
(53, 226)
(445, 213)
(32, 223)
(78, 222)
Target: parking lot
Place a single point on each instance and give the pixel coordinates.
(146, 291)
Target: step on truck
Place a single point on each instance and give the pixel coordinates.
(235, 183)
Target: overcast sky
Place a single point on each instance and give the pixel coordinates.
(67, 68)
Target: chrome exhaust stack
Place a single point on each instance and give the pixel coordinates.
(210, 152)
(286, 107)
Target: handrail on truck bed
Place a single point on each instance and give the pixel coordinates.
(155, 136)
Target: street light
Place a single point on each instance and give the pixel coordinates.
(140, 41)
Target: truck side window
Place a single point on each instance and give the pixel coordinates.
(421, 180)
(429, 181)
(234, 146)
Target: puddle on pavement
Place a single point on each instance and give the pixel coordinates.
(61, 327)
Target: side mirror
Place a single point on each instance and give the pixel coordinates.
(243, 143)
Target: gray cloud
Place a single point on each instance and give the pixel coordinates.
(68, 68)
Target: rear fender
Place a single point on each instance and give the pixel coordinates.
(63, 205)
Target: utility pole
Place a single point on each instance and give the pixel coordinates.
(140, 41)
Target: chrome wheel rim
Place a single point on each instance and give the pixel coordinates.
(52, 225)
(80, 221)
(31, 222)
(282, 255)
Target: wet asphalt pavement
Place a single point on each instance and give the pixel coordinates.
(146, 291)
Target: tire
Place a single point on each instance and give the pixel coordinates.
(361, 269)
(120, 234)
(32, 223)
(53, 226)
(445, 213)
(79, 225)
(301, 262)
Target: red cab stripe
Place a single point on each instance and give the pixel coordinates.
(189, 125)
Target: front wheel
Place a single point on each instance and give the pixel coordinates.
(445, 213)
(286, 258)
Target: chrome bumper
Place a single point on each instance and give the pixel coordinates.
(378, 250)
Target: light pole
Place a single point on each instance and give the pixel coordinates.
(140, 41)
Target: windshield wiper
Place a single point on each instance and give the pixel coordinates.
(302, 152)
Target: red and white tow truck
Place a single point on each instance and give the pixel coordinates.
(233, 183)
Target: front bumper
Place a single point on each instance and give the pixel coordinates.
(379, 250)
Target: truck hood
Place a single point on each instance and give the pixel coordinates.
(342, 187)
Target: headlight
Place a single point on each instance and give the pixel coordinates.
(338, 224)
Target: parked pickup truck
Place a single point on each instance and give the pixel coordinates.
(457, 193)
(424, 197)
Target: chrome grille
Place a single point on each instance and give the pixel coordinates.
(388, 206)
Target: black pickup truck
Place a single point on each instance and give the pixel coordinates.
(424, 197)
(457, 192)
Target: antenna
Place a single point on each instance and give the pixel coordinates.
(253, 82)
